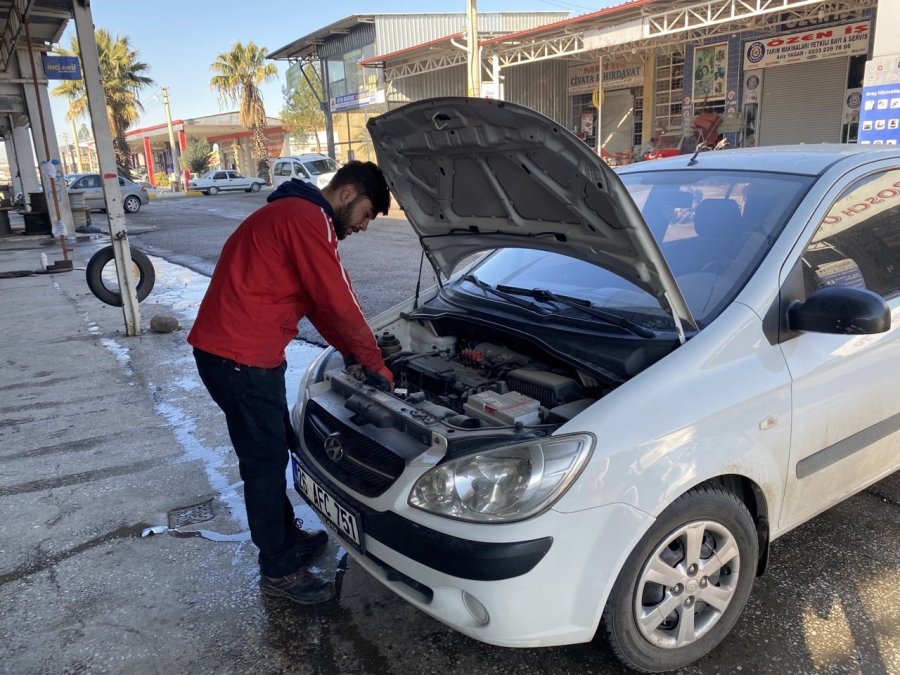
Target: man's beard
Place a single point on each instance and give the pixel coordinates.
(341, 221)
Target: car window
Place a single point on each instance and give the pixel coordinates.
(319, 166)
(90, 182)
(278, 169)
(234, 174)
(121, 182)
(300, 171)
(858, 242)
(220, 175)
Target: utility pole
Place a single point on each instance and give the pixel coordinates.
(175, 168)
(78, 165)
(472, 49)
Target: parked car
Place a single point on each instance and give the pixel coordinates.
(134, 195)
(213, 182)
(312, 168)
(600, 426)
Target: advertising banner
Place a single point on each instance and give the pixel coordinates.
(584, 79)
(710, 72)
(61, 67)
(810, 45)
(879, 117)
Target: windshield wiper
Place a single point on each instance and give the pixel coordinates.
(500, 293)
(583, 305)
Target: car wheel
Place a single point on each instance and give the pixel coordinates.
(104, 282)
(685, 584)
(254, 187)
(131, 204)
(213, 190)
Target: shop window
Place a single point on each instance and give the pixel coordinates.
(858, 242)
(669, 92)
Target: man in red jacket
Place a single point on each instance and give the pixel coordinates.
(280, 265)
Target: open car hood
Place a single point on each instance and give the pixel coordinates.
(474, 174)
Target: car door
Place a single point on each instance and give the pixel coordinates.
(846, 411)
(301, 173)
(219, 180)
(237, 182)
(93, 191)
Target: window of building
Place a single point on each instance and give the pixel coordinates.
(669, 92)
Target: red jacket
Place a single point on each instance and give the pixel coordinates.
(280, 265)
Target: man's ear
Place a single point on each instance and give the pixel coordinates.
(347, 193)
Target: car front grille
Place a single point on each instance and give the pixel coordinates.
(363, 465)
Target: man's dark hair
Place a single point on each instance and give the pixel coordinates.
(368, 180)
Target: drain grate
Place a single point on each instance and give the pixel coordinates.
(190, 515)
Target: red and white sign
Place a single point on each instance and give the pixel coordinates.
(810, 45)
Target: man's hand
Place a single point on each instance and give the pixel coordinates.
(382, 379)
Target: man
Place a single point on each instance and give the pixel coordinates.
(280, 265)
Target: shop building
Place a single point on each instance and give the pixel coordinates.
(354, 93)
(773, 73)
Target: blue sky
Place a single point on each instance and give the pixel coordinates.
(179, 40)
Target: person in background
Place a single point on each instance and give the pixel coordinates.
(280, 265)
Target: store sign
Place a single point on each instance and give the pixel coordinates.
(61, 67)
(810, 45)
(879, 118)
(584, 79)
(357, 99)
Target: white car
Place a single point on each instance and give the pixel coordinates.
(213, 182)
(311, 167)
(602, 425)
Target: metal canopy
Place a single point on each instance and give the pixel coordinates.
(305, 49)
(47, 19)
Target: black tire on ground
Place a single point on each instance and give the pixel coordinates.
(720, 524)
(131, 204)
(111, 296)
(213, 190)
(254, 187)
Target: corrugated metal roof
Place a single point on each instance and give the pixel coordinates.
(398, 31)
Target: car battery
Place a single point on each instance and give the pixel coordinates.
(503, 409)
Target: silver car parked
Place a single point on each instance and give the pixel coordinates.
(91, 184)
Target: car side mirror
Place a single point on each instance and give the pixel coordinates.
(841, 310)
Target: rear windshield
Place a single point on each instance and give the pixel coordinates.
(319, 166)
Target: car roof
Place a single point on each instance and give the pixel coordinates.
(812, 160)
(307, 155)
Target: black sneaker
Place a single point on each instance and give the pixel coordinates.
(311, 542)
(301, 587)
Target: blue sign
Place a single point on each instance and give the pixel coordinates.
(61, 67)
(879, 117)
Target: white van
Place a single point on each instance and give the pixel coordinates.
(311, 167)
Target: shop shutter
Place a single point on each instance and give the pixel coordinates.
(803, 103)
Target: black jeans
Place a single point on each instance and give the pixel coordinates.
(255, 407)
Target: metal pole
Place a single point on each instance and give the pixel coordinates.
(600, 109)
(90, 63)
(326, 106)
(472, 50)
(78, 163)
(175, 168)
(40, 107)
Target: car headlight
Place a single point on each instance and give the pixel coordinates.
(504, 484)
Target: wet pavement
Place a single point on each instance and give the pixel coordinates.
(103, 437)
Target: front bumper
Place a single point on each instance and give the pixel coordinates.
(519, 591)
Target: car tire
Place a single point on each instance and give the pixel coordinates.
(101, 276)
(213, 190)
(131, 204)
(661, 578)
(254, 187)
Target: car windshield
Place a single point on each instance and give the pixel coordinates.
(713, 227)
(319, 166)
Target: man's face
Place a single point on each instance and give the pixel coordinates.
(353, 216)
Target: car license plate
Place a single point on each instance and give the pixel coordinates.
(344, 521)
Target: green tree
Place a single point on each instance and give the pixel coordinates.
(196, 155)
(123, 78)
(238, 75)
(302, 111)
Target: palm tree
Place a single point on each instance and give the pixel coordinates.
(123, 77)
(239, 74)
